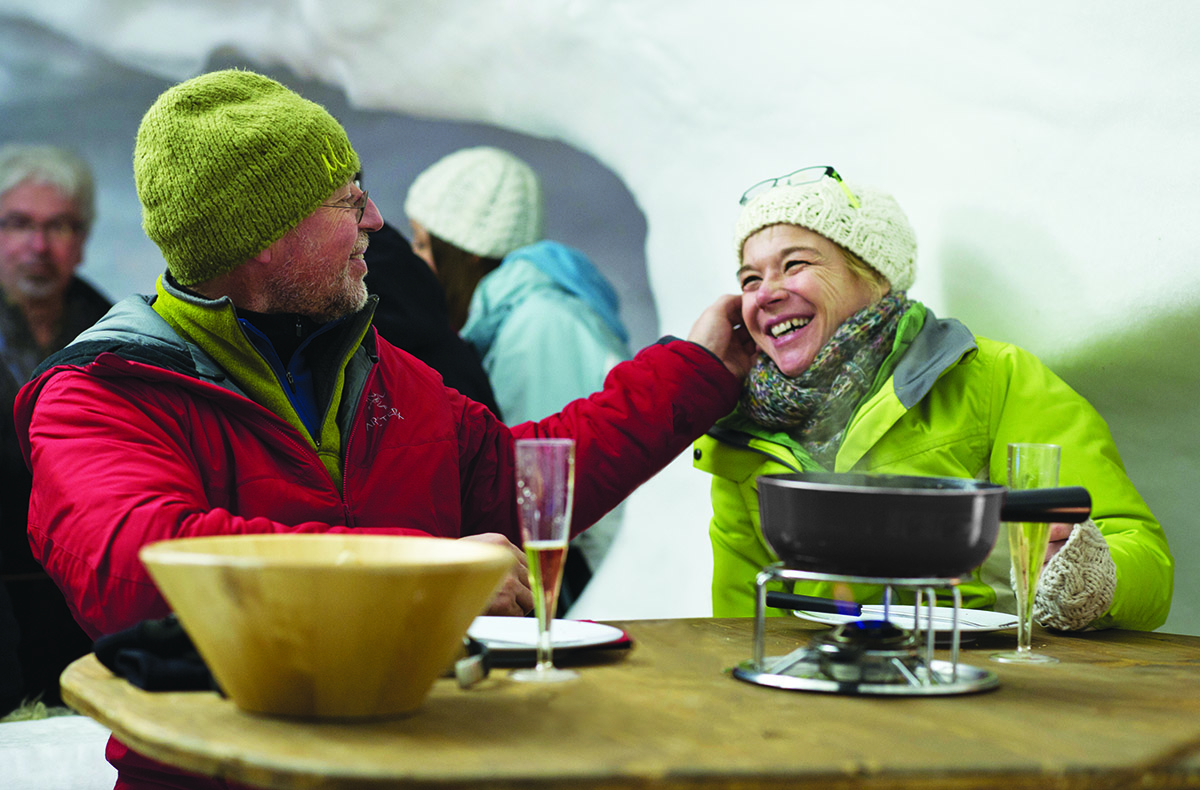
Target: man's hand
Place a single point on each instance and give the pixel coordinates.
(720, 330)
(515, 597)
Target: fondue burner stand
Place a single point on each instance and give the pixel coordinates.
(866, 657)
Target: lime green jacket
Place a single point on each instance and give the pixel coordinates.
(945, 403)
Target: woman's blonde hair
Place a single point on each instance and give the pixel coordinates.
(878, 284)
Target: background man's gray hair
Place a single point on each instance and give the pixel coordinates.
(48, 164)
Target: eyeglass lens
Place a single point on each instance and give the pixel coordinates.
(805, 175)
(359, 206)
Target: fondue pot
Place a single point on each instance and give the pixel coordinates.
(897, 526)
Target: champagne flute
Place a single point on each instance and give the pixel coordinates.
(545, 492)
(1030, 465)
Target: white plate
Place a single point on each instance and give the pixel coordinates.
(976, 620)
(520, 633)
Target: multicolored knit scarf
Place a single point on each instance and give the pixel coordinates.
(815, 406)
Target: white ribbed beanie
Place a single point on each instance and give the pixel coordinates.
(482, 200)
(877, 231)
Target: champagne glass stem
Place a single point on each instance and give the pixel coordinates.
(545, 567)
(1027, 544)
(545, 573)
(545, 648)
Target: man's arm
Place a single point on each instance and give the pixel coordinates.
(651, 409)
(119, 463)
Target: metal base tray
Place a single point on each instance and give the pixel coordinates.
(805, 675)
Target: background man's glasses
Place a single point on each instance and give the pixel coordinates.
(359, 205)
(57, 229)
(805, 175)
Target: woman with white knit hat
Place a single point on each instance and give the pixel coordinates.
(853, 375)
(544, 320)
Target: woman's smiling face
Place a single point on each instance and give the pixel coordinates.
(797, 289)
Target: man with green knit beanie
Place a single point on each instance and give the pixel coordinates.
(227, 163)
(240, 181)
(251, 394)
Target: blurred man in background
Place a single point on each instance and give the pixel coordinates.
(47, 205)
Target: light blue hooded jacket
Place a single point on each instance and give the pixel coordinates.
(547, 326)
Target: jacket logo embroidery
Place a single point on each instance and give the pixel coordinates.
(379, 412)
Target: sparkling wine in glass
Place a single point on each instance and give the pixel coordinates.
(545, 492)
(1030, 465)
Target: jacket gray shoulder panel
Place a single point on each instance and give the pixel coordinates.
(133, 330)
(940, 344)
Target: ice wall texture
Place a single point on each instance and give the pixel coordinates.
(1045, 155)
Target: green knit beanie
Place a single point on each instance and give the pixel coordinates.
(227, 163)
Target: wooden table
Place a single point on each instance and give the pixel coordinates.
(1121, 710)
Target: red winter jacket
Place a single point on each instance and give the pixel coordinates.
(134, 435)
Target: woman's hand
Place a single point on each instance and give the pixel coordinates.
(1059, 534)
(515, 597)
(720, 330)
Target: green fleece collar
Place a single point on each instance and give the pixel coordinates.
(213, 325)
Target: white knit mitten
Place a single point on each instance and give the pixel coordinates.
(1078, 583)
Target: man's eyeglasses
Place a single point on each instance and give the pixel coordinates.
(57, 229)
(805, 175)
(359, 205)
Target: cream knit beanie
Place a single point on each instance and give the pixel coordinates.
(482, 200)
(877, 231)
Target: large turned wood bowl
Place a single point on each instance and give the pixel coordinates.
(326, 626)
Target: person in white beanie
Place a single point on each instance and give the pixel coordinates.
(544, 320)
(853, 375)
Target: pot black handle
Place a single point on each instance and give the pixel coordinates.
(807, 603)
(1069, 505)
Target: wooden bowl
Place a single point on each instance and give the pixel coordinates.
(326, 626)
